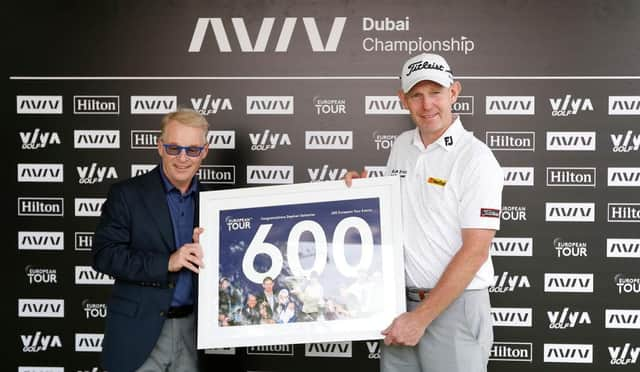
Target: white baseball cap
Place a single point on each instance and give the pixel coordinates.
(426, 66)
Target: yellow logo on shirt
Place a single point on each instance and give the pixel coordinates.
(437, 181)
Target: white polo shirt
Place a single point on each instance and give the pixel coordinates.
(452, 184)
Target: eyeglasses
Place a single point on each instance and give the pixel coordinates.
(191, 151)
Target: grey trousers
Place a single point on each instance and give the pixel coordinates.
(459, 340)
(175, 350)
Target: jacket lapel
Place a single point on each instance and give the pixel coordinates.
(153, 196)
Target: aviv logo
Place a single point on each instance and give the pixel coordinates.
(38, 140)
(41, 240)
(144, 139)
(569, 106)
(570, 212)
(269, 174)
(375, 171)
(40, 172)
(511, 141)
(510, 105)
(506, 282)
(286, 349)
(329, 349)
(623, 177)
(39, 342)
(140, 169)
(100, 105)
(221, 139)
(217, 174)
(568, 283)
(268, 140)
(153, 104)
(264, 33)
(627, 284)
(38, 275)
(623, 248)
(623, 355)
(89, 342)
(208, 105)
(622, 319)
(511, 351)
(518, 247)
(571, 141)
(94, 310)
(95, 174)
(328, 140)
(511, 316)
(567, 319)
(83, 241)
(39, 104)
(623, 212)
(384, 105)
(568, 176)
(88, 207)
(626, 142)
(40, 308)
(624, 105)
(568, 353)
(87, 275)
(330, 106)
(518, 176)
(40, 206)
(463, 106)
(96, 139)
(570, 248)
(269, 105)
(326, 174)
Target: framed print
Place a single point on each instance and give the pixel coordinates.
(301, 263)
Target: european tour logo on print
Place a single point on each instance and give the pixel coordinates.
(490, 212)
(436, 181)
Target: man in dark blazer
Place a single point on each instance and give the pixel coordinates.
(148, 240)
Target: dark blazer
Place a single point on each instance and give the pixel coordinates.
(133, 242)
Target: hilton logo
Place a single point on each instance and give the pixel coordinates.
(270, 350)
(41, 207)
(623, 212)
(100, 105)
(511, 141)
(511, 351)
(144, 139)
(571, 176)
(83, 241)
(217, 174)
(463, 105)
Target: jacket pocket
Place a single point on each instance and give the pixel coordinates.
(123, 306)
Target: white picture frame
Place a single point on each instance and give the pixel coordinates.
(341, 264)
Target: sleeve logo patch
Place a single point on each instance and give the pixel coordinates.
(489, 212)
(436, 181)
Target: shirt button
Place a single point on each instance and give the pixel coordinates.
(172, 284)
(162, 313)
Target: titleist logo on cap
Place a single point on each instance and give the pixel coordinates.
(424, 65)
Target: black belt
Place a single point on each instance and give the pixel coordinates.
(179, 311)
(417, 294)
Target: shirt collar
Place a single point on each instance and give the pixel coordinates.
(447, 140)
(168, 186)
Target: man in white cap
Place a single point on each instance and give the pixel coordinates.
(451, 197)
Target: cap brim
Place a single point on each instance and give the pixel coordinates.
(445, 82)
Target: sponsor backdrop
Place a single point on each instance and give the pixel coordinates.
(302, 92)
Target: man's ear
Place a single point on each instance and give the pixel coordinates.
(403, 99)
(456, 89)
